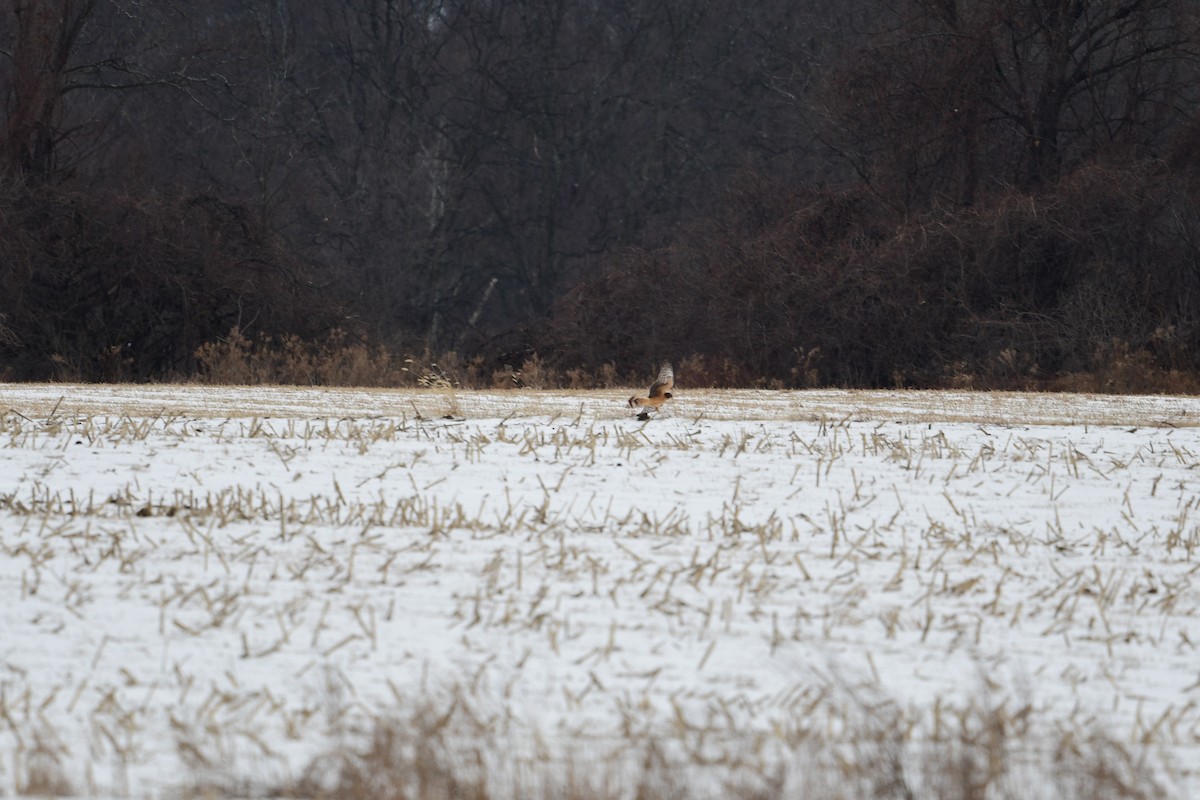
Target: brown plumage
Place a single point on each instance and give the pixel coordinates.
(660, 391)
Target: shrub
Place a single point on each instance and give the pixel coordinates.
(791, 288)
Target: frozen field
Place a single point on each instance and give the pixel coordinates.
(217, 587)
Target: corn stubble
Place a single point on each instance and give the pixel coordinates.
(209, 560)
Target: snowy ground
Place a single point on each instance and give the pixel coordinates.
(199, 585)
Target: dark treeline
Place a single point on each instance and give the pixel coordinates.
(786, 192)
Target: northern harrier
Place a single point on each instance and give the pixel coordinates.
(660, 392)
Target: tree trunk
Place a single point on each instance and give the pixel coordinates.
(45, 32)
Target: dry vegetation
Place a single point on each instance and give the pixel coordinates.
(1085, 284)
(983, 752)
(309, 573)
(339, 360)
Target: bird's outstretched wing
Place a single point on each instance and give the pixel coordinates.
(665, 381)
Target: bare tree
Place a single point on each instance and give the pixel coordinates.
(45, 34)
(945, 94)
(470, 161)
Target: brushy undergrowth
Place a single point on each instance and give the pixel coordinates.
(342, 360)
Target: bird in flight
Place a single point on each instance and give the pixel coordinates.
(660, 392)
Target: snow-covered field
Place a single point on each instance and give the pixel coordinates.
(204, 586)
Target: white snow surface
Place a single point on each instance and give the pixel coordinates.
(215, 584)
